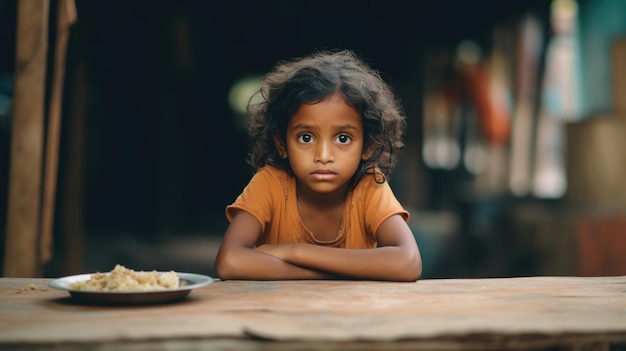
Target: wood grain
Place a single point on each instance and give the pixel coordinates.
(27, 141)
(444, 314)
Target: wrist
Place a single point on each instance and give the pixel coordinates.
(293, 252)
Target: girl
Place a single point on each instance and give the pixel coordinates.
(324, 143)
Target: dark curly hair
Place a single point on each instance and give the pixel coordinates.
(311, 79)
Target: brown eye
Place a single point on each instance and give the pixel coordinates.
(305, 138)
(343, 139)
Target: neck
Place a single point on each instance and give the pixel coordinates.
(322, 200)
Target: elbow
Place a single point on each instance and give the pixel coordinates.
(410, 267)
(222, 271)
(225, 268)
(416, 273)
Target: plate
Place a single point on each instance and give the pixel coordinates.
(191, 281)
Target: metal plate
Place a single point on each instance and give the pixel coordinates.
(188, 281)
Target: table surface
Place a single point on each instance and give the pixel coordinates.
(497, 313)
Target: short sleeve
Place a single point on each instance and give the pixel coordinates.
(256, 198)
(379, 203)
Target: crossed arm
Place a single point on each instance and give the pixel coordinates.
(397, 258)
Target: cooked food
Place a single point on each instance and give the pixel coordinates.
(124, 279)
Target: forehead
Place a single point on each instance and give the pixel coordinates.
(332, 111)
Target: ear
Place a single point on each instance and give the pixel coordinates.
(280, 146)
(367, 151)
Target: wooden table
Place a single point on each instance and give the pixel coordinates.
(441, 314)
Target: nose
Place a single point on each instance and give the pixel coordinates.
(324, 153)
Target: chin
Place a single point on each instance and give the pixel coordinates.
(325, 188)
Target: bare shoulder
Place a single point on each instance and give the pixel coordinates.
(394, 231)
(244, 229)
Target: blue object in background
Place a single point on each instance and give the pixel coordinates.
(601, 21)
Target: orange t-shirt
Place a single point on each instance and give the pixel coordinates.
(270, 197)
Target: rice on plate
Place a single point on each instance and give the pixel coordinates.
(124, 279)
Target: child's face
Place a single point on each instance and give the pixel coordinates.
(324, 144)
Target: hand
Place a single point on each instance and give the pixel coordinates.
(280, 251)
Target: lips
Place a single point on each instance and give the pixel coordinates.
(323, 174)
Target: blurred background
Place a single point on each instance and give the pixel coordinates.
(515, 147)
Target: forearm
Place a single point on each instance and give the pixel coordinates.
(385, 263)
(249, 264)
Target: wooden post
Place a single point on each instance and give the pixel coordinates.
(66, 17)
(27, 138)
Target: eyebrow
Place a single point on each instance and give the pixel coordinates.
(341, 127)
(348, 126)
